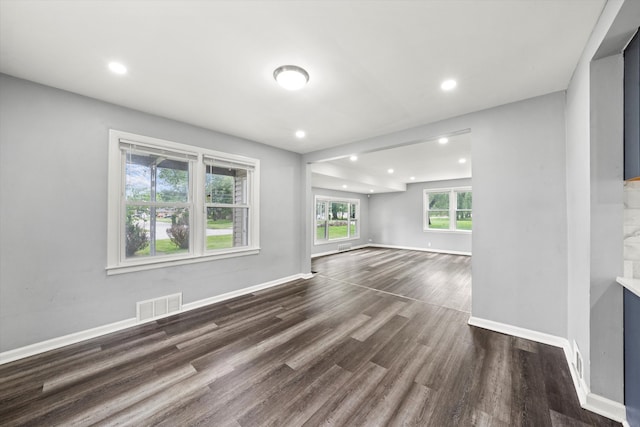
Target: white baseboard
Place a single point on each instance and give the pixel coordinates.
(589, 401)
(54, 343)
(518, 332)
(606, 407)
(409, 248)
(582, 389)
(239, 292)
(337, 251)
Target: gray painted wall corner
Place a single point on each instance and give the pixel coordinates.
(396, 219)
(607, 204)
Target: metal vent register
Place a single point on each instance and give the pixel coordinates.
(158, 307)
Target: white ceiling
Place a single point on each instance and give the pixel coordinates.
(375, 66)
(424, 161)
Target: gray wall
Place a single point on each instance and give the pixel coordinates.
(578, 210)
(594, 201)
(519, 238)
(364, 219)
(53, 216)
(396, 219)
(607, 205)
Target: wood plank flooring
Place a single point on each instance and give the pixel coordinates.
(376, 338)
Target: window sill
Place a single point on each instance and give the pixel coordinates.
(437, 230)
(162, 263)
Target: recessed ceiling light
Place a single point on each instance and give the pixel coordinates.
(463, 160)
(412, 178)
(300, 134)
(353, 158)
(291, 77)
(371, 191)
(448, 84)
(443, 140)
(344, 185)
(390, 170)
(117, 68)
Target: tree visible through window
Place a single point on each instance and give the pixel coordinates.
(438, 212)
(174, 201)
(449, 209)
(336, 219)
(158, 203)
(463, 210)
(227, 206)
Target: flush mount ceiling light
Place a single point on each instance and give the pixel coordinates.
(463, 160)
(413, 178)
(448, 84)
(443, 140)
(291, 77)
(117, 68)
(353, 158)
(344, 185)
(389, 170)
(300, 134)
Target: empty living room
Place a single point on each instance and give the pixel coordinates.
(305, 213)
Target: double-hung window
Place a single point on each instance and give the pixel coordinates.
(448, 209)
(172, 203)
(336, 219)
(227, 196)
(158, 201)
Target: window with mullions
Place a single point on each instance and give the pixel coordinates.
(336, 219)
(448, 209)
(463, 212)
(227, 204)
(157, 201)
(438, 211)
(172, 203)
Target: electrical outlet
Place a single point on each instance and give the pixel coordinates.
(577, 360)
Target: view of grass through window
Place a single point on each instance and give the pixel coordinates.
(157, 196)
(336, 219)
(157, 204)
(438, 211)
(448, 210)
(170, 203)
(227, 210)
(463, 210)
(221, 241)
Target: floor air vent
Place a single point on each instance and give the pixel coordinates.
(158, 307)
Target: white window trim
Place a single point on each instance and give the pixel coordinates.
(316, 199)
(452, 209)
(116, 263)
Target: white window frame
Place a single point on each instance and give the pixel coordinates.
(116, 260)
(453, 208)
(328, 200)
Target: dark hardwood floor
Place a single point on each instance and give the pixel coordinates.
(377, 337)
